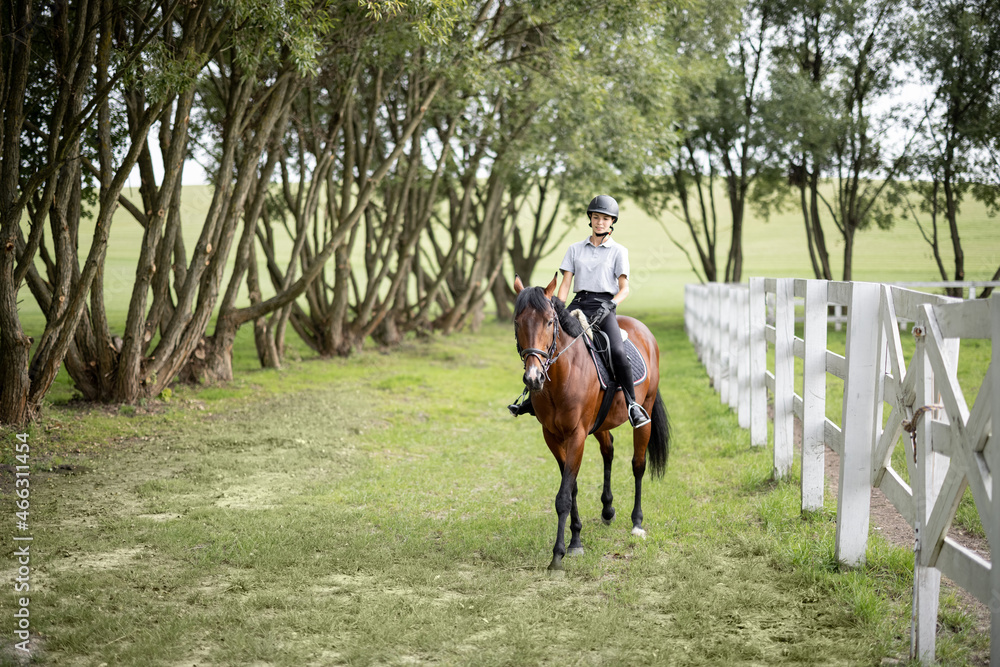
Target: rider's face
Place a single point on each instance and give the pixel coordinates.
(600, 222)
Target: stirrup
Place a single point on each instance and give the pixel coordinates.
(637, 416)
(524, 407)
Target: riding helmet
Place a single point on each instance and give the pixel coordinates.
(603, 204)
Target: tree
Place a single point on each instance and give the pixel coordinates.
(369, 118)
(550, 94)
(65, 59)
(687, 161)
(803, 107)
(864, 162)
(248, 94)
(16, 19)
(255, 67)
(833, 63)
(960, 50)
(736, 134)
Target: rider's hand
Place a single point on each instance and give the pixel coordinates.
(607, 309)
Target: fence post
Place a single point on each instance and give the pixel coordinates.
(699, 297)
(993, 460)
(713, 332)
(858, 424)
(725, 315)
(743, 359)
(758, 363)
(930, 473)
(814, 396)
(688, 313)
(784, 377)
(735, 348)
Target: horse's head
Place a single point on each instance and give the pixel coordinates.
(536, 330)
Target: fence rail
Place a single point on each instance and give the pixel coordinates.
(889, 401)
(971, 285)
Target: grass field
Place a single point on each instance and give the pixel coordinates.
(385, 510)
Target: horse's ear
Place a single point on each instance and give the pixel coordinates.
(551, 289)
(518, 285)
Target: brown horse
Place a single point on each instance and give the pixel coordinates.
(566, 397)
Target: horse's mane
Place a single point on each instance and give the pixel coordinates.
(534, 297)
(531, 297)
(570, 324)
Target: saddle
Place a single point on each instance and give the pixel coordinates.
(600, 352)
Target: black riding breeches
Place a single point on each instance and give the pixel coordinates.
(590, 304)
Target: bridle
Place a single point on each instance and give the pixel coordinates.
(545, 357)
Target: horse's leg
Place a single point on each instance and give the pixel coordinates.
(607, 442)
(575, 526)
(640, 436)
(571, 452)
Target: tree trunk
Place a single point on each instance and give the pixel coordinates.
(212, 359)
(737, 205)
(951, 214)
(849, 233)
(15, 346)
(128, 385)
(822, 253)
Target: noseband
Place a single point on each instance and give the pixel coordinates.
(545, 358)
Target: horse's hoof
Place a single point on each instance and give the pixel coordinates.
(575, 551)
(608, 519)
(556, 565)
(639, 532)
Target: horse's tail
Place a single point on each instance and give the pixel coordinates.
(659, 437)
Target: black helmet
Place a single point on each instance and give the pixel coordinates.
(603, 204)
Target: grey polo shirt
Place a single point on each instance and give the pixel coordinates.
(596, 268)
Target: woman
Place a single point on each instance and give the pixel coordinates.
(600, 269)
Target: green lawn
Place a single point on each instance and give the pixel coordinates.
(385, 509)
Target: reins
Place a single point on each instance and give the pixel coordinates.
(547, 358)
(590, 325)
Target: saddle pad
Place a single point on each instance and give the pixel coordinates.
(635, 359)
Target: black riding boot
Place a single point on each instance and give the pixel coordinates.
(637, 415)
(524, 408)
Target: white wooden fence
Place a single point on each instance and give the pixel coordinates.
(888, 401)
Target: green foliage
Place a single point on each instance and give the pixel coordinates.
(162, 72)
(955, 152)
(276, 29)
